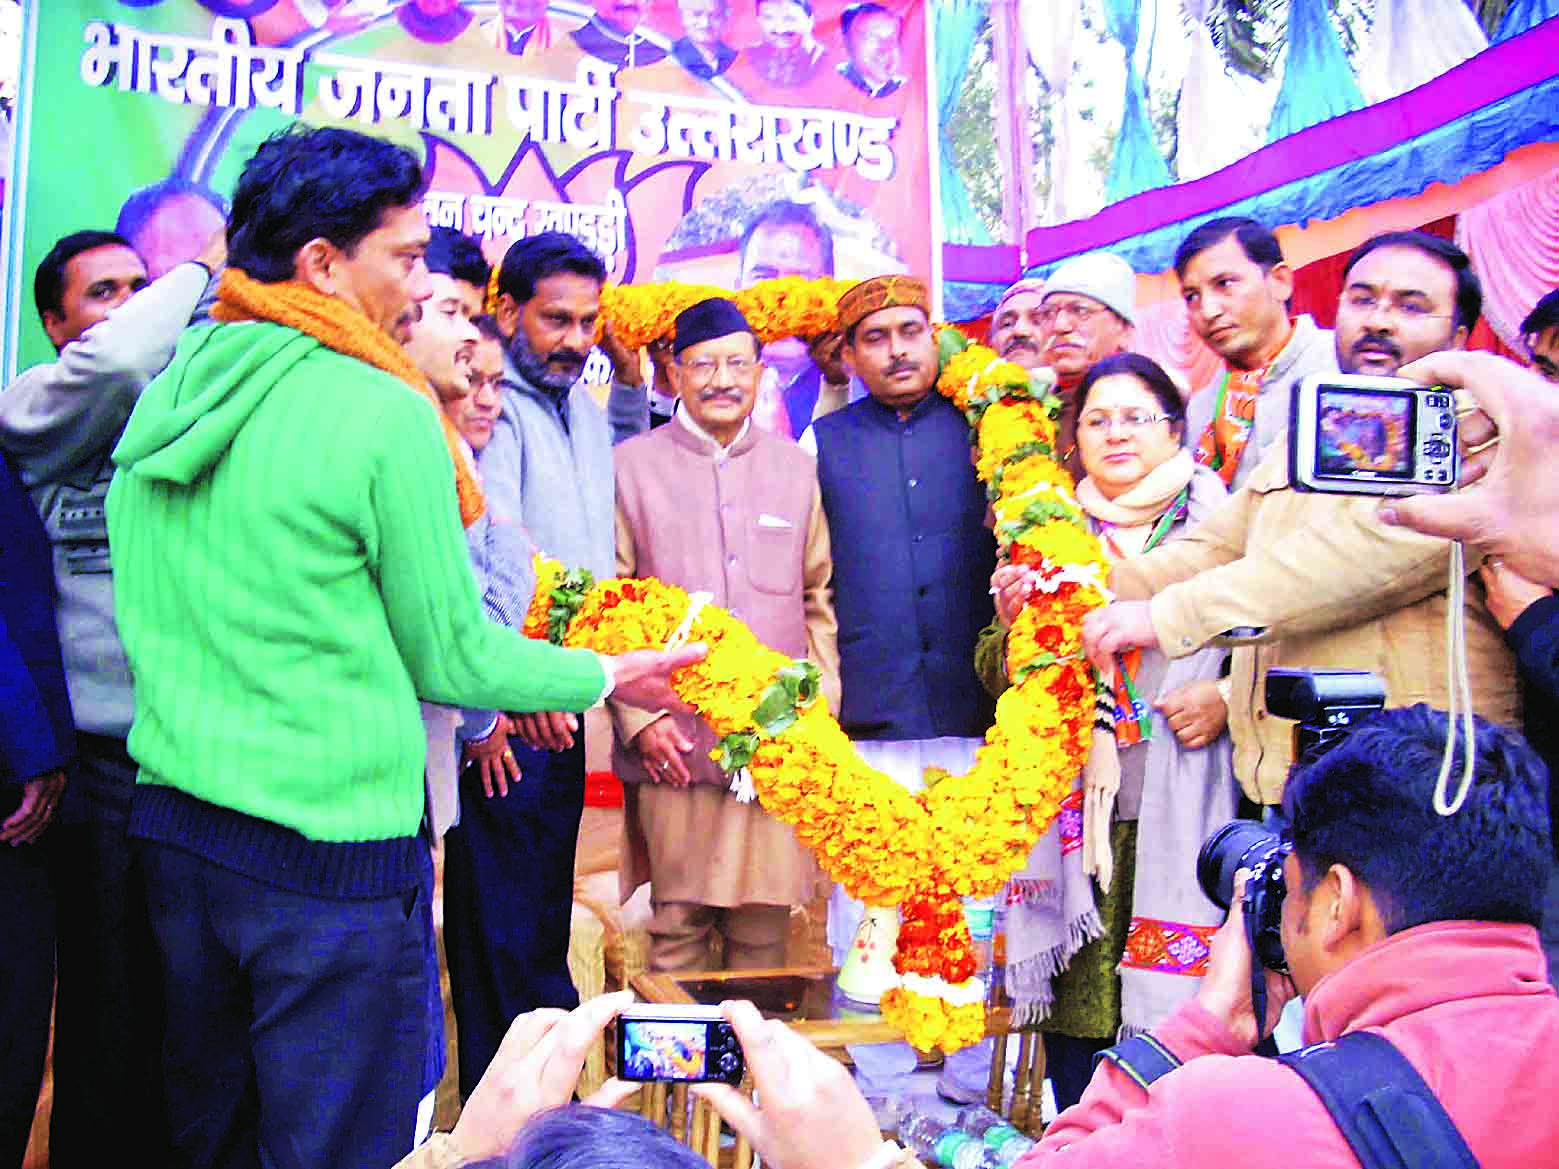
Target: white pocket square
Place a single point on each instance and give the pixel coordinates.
(765, 520)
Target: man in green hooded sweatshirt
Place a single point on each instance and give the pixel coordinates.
(291, 577)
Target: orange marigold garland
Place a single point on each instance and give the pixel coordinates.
(963, 835)
(786, 306)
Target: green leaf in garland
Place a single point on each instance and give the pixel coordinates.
(567, 597)
(949, 343)
(1045, 660)
(793, 690)
(736, 751)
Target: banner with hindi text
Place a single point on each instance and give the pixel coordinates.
(709, 140)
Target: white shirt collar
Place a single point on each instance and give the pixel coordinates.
(685, 417)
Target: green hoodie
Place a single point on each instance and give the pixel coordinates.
(291, 576)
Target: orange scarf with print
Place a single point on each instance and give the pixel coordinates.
(1222, 444)
(335, 325)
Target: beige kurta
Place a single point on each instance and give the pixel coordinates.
(747, 526)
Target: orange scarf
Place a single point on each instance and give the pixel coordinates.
(1234, 413)
(335, 325)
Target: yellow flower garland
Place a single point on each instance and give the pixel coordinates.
(786, 306)
(963, 835)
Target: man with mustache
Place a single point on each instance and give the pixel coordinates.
(711, 502)
(803, 379)
(912, 565)
(789, 56)
(1236, 286)
(1084, 313)
(547, 467)
(1405, 294)
(1320, 579)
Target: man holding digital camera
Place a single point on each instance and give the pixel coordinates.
(1293, 578)
(1397, 921)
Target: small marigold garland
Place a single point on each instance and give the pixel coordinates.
(963, 835)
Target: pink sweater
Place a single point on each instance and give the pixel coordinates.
(1468, 1004)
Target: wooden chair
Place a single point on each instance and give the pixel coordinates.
(1028, 1082)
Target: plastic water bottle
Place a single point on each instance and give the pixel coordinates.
(1004, 1142)
(996, 973)
(980, 914)
(936, 1140)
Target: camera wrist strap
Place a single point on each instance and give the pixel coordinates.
(1458, 687)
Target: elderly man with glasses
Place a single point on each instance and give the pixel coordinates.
(712, 503)
(1084, 313)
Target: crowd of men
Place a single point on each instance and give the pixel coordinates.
(283, 505)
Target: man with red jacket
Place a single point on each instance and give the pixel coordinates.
(1419, 927)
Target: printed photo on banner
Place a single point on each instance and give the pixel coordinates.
(713, 140)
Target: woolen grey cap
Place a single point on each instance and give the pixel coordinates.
(1102, 276)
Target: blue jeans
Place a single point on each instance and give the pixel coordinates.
(298, 1025)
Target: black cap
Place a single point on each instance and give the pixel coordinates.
(706, 320)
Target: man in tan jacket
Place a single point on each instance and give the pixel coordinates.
(712, 503)
(1311, 581)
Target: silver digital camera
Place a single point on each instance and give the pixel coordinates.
(1359, 435)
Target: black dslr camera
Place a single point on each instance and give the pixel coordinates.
(1325, 704)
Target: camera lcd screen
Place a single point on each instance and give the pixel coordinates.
(1364, 432)
(658, 1049)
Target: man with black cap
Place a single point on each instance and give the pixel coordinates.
(714, 504)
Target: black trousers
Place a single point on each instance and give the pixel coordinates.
(108, 1017)
(26, 984)
(508, 893)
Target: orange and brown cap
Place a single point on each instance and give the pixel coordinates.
(869, 296)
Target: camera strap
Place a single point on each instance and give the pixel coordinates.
(1388, 1115)
(1458, 687)
(1141, 1058)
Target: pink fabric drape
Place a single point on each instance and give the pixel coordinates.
(1164, 334)
(1513, 240)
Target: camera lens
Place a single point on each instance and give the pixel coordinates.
(1221, 857)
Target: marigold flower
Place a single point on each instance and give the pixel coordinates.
(965, 835)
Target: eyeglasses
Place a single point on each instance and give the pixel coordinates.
(1100, 422)
(1362, 301)
(702, 370)
(1081, 313)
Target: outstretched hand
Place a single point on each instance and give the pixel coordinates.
(643, 678)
